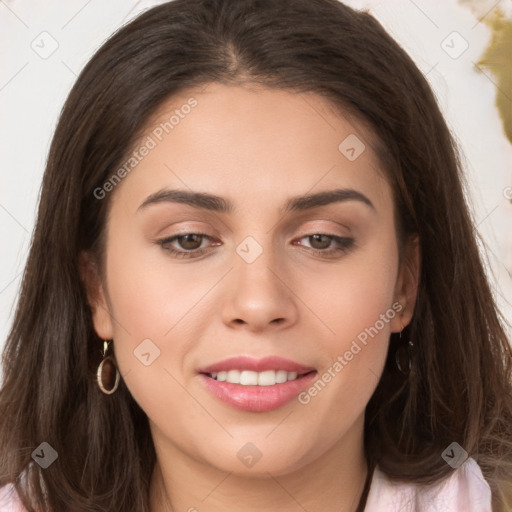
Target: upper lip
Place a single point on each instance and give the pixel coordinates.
(256, 365)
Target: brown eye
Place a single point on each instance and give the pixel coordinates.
(321, 241)
(327, 245)
(190, 242)
(187, 245)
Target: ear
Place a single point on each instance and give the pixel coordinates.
(96, 296)
(406, 288)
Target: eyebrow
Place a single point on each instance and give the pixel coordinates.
(219, 204)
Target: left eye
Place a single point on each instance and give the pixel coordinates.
(190, 244)
(320, 240)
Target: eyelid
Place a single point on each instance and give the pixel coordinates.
(324, 229)
(309, 228)
(340, 245)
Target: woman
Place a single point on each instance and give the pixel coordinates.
(254, 282)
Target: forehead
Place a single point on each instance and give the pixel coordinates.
(252, 143)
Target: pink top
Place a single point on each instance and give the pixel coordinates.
(466, 489)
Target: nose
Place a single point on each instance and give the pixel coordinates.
(259, 296)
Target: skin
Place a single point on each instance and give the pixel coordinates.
(256, 147)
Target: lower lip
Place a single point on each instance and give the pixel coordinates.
(257, 398)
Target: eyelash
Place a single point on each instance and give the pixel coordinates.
(344, 245)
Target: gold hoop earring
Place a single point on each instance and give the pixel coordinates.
(107, 371)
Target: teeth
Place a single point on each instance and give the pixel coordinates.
(249, 378)
(233, 376)
(282, 376)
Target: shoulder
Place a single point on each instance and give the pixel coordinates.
(9, 500)
(465, 489)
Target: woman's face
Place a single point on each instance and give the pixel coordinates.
(259, 272)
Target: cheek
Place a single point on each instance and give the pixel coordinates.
(356, 304)
(148, 299)
(148, 295)
(351, 297)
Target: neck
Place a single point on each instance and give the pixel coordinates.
(333, 481)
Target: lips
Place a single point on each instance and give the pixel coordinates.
(257, 365)
(256, 385)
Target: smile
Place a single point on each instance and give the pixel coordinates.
(256, 385)
(250, 378)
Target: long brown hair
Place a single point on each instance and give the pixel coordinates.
(459, 388)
